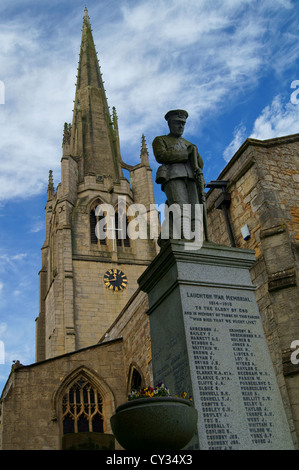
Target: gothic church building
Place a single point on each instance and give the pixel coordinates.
(92, 331)
(85, 281)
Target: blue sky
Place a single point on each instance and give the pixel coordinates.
(231, 64)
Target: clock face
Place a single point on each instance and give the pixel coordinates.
(115, 280)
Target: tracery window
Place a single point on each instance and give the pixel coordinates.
(112, 226)
(121, 225)
(82, 408)
(93, 219)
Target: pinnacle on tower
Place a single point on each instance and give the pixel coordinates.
(50, 186)
(114, 117)
(144, 152)
(67, 133)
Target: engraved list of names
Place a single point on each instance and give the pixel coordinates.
(234, 386)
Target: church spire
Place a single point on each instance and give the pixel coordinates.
(92, 138)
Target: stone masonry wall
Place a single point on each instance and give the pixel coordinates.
(31, 400)
(97, 307)
(132, 325)
(264, 190)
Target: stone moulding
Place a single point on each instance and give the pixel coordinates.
(172, 255)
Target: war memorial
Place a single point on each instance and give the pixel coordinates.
(205, 325)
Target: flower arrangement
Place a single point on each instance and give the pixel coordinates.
(159, 390)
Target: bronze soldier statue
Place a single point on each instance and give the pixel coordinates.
(180, 174)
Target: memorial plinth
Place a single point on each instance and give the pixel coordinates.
(207, 340)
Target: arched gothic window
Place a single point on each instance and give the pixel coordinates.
(93, 219)
(121, 224)
(115, 227)
(82, 408)
(136, 380)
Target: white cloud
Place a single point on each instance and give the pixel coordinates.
(37, 226)
(193, 54)
(21, 288)
(276, 120)
(37, 83)
(239, 137)
(10, 261)
(3, 327)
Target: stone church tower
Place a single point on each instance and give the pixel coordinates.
(92, 331)
(78, 301)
